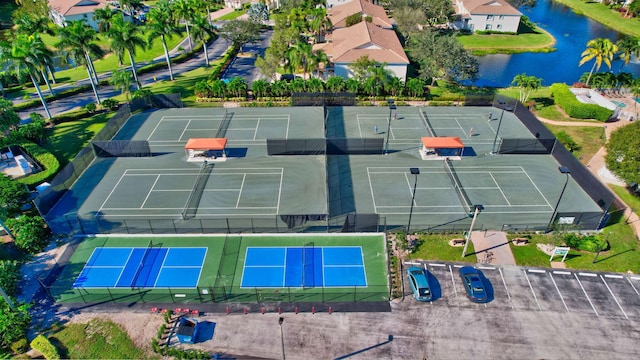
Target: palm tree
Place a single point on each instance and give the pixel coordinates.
(103, 17)
(415, 86)
(319, 23)
(629, 45)
(299, 55)
(202, 30)
(599, 49)
(335, 84)
(29, 24)
(28, 52)
(526, 85)
(319, 58)
(162, 25)
(260, 88)
(183, 9)
(121, 80)
(126, 36)
(77, 40)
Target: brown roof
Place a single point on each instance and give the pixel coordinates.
(489, 7)
(453, 142)
(206, 144)
(339, 13)
(75, 7)
(381, 45)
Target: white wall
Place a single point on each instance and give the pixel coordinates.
(505, 23)
(397, 70)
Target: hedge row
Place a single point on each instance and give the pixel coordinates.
(58, 95)
(576, 109)
(46, 159)
(44, 346)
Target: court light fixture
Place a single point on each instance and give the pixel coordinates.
(416, 172)
(392, 106)
(476, 211)
(563, 170)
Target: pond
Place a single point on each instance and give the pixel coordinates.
(571, 31)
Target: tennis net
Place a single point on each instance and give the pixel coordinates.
(308, 280)
(191, 206)
(453, 176)
(427, 123)
(141, 265)
(224, 125)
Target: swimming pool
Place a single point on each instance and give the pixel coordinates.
(619, 104)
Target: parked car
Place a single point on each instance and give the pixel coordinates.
(419, 283)
(472, 280)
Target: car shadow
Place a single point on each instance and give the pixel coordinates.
(488, 287)
(434, 285)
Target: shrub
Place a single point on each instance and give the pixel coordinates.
(20, 346)
(111, 104)
(44, 346)
(72, 116)
(30, 232)
(91, 107)
(591, 243)
(47, 160)
(574, 108)
(9, 276)
(567, 141)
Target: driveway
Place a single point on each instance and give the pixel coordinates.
(244, 64)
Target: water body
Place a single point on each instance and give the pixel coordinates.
(571, 31)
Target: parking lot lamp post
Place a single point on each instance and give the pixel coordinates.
(280, 321)
(601, 247)
(566, 171)
(416, 172)
(392, 106)
(476, 211)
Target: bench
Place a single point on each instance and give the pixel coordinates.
(457, 241)
(520, 241)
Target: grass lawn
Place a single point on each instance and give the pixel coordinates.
(436, 247)
(183, 84)
(232, 15)
(632, 201)
(602, 14)
(479, 44)
(97, 339)
(588, 138)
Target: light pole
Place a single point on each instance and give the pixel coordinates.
(280, 321)
(603, 245)
(495, 139)
(476, 211)
(392, 107)
(416, 172)
(565, 170)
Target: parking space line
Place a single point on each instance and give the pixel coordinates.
(585, 294)
(453, 282)
(411, 263)
(536, 271)
(506, 288)
(635, 277)
(613, 276)
(531, 287)
(458, 266)
(588, 274)
(559, 293)
(633, 287)
(562, 272)
(486, 268)
(430, 264)
(614, 297)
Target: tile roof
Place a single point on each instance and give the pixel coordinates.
(75, 7)
(339, 13)
(488, 7)
(349, 44)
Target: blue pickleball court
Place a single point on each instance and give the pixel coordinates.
(323, 266)
(142, 268)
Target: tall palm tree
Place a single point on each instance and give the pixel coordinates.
(121, 80)
(103, 17)
(28, 52)
(183, 9)
(201, 31)
(300, 55)
(126, 37)
(628, 45)
(30, 24)
(77, 40)
(319, 23)
(600, 50)
(162, 25)
(319, 59)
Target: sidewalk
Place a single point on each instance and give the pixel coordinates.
(492, 247)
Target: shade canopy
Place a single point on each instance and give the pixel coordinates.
(453, 142)
(206, 144)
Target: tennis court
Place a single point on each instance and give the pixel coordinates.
(326, 266)
(142, 268)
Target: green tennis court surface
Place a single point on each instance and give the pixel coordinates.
(226, 269)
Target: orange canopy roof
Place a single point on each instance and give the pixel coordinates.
(453, 142)
(206, 144)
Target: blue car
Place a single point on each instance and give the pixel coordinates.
(472, 281)
(419, 283)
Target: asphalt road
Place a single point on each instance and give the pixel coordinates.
(244, 66)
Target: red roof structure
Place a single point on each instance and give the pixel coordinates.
(453, 142)
(206, 144)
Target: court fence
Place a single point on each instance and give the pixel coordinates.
(121, 148)
(331, 146)
(323, 99)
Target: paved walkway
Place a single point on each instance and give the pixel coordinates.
(492, 247)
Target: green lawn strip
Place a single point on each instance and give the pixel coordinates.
(375, 261)
(540, 41)
(602, 14)
(530, 255)
(436, 247)
(183, 84)
(588, 138)
(70, 137)
(631, 200)
(232, 15)
(96, 339)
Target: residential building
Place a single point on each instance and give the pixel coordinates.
(490, 15)
(338, 13)
(62, 11)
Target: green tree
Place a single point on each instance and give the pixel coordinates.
(28, 52)
(201, 32)
(526, 85)
(161, 25)
(268, 64)
(237, 86)
(438, 12)
(8, 117)
(335, 84)
(183, 9)
(30, 232)
(126, 37)
(13, 323)
(628, 46)
(77, 41)
(29, 24)
(260, 88)
(9, 276)
(416, 87)
(103, 18)
(600, 50)
(319, 23)
(361, 68)
(623, 153)
(12, 196)
(35, 131)
(38, 8)
(258, 13)
(240, 32)
(121, 80)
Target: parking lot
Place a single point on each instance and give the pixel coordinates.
(533, 289)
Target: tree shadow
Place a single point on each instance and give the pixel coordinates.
(614, 255)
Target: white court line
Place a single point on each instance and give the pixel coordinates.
(279, 191)
(359, 126)
(453, 282)
(532, 292)
(240, 192)
(184, 130)
(614, 297)
(255, 132)
(149, 193)
(586, 295)
(112, 190)
(373, 198)
(125, 264)
(461, 128)
(166, 254)
(458, 266)
(500, 189)
(536, 186)
(286, 133)
(559, 293)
